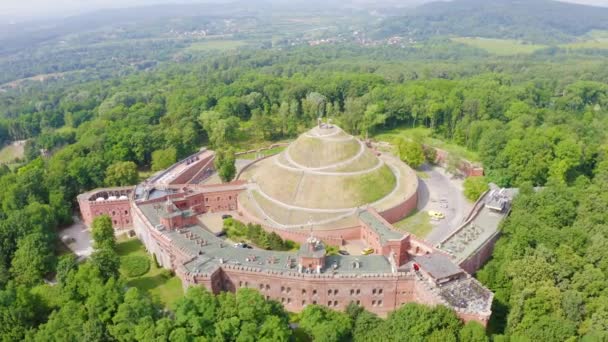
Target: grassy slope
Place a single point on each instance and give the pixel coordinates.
(167, 290)
(424, 136)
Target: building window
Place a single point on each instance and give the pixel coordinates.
(314, 302)
(373, 303)
(261, 286)
(115, 222)
(240, 284)
(352, 292)
(374, 291)
(267, 287)
(329, 303)
(379, 291)
(113, 213)
(329, 292)
(358, 291)
(206, 199)
(288, 289)
(335, 303)
(379, 303)
(288, 300)
(303, 291)
(127, 221)
(282, 300)
(358, 302)
(314, 292)
(126, 212)
(282, 289)
(335, 292)
(303, 302)
(230, 197)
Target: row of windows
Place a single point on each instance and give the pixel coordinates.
(335, 292)
(376, 302)
(377, 291)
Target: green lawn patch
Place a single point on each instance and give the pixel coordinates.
(159, 283)
(418, 223)
(501, 47)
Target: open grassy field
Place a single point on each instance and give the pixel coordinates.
(13, 151)
(158, 282)
(423, 135)
(417, 223)
(501, 47)
(217, 45)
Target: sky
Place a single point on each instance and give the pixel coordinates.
(29, 9)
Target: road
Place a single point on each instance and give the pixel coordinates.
(441, 185)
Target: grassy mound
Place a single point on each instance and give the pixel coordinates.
(315, 152)
(135, 265)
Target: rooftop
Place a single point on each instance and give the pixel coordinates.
(209, 252)
(482, 227)
(380, 227)
(437, 265)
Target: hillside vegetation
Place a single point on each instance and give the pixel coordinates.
(537, 21)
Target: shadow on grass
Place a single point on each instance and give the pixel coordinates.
(148, 283)
(129, 247)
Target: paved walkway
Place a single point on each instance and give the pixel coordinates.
(82, 246)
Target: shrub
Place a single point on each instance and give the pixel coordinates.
(475, 187)
(135, 265)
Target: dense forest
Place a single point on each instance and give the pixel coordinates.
(534, 121)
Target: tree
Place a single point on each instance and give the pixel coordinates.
(131, 313)
(107, 262)
(122, 174)
(411, 152)
(162, 159)
(103, 232)
(67, 264)
(474, 187)
(324, 324)
(32, 260)
(225, 164)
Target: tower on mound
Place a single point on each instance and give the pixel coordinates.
(324, 176)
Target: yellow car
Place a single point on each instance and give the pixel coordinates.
(367, 251)
(436, 214)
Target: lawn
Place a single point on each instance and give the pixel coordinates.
(423, 135)
(418, 223)
(158, 282)
(501, 47)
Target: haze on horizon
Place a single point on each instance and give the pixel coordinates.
(18, 10)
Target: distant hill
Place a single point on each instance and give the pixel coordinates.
(537, 21)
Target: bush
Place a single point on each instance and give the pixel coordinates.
(135, 265)
(475, 187)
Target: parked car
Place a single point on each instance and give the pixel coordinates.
(367, 251)
(226, 216)
(436, 214)
(343, 252)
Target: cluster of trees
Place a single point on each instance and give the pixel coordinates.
(237, 230)
(549, 271)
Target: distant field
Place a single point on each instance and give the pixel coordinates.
(588, 44)
(218, 45)
(501, 47)
(9, 153)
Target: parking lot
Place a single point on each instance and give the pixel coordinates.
(443, 193)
